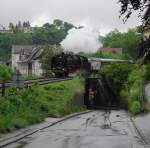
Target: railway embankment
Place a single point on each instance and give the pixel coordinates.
(32, 105)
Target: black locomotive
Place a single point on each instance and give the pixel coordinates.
(66, 63)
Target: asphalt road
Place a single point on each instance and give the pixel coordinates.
(98, 129)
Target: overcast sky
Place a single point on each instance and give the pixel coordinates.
(99, 14)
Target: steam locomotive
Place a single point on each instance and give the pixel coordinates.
(65, 63)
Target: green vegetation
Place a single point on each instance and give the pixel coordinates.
(48, 52)
(128, 41)
(48, 34)
(107, 55)
(6, 74)
(127, 82)
(117, 75)
(133, 91)
(34, 104)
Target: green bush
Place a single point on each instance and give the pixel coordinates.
(135, 107)
(116, 75)
(127, 82)
(147, 75)
(136, 82)
(34, 104)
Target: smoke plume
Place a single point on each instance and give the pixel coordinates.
(81, 40)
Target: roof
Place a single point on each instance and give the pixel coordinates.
(108, 60)
(27, 53)
(147, 27)
(17, 49)
(111, 49)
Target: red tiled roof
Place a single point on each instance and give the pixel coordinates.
(111, 49)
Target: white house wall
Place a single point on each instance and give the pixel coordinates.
(15, 59)
(36, 68)
(23, 68)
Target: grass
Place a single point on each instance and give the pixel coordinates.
(34, 104)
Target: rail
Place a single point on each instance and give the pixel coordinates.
(28, 83)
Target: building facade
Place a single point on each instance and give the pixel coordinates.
(146, 33)
(111, 50)
(26, 58)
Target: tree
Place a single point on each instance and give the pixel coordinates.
(128, 6)
(19, 24)
(58, 23)
(48, 52)
(6, 74)
(50, 35)
(11, 26)
(128, 41)
(47, 25)
(67, 26)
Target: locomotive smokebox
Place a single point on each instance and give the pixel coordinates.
(99, 95)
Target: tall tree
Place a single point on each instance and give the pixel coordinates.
(58, 23)
(128, 6)
(128, 41)
(11, 26)
(48, 52)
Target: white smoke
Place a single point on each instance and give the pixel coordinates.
(81, 40)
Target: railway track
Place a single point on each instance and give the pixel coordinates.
(91, 119)
(46, 81)
(13, 139)
(41, 81)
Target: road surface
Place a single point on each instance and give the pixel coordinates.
(98, 129)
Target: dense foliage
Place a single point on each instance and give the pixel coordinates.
(127, 82)
(107, 55)
(128, 41)
(48, 52)
(116, 74)
(128, 6)
(34, 104)
(6, 73)
(48, 34)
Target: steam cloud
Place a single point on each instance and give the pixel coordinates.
(81, 40)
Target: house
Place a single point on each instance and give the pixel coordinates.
(146, 32)
(112, 50)
(4, 30)
(26, 58)
(27, 29)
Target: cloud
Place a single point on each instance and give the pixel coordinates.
(102, 14)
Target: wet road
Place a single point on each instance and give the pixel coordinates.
(98, 129)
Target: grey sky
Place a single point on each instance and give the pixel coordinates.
(99, 14)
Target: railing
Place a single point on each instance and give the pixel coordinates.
(28, 83)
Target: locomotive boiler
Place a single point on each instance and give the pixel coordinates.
(65, 63)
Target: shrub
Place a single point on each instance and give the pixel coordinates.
(117, 75)
(135, 107)
(34, 104)
(127, 82)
